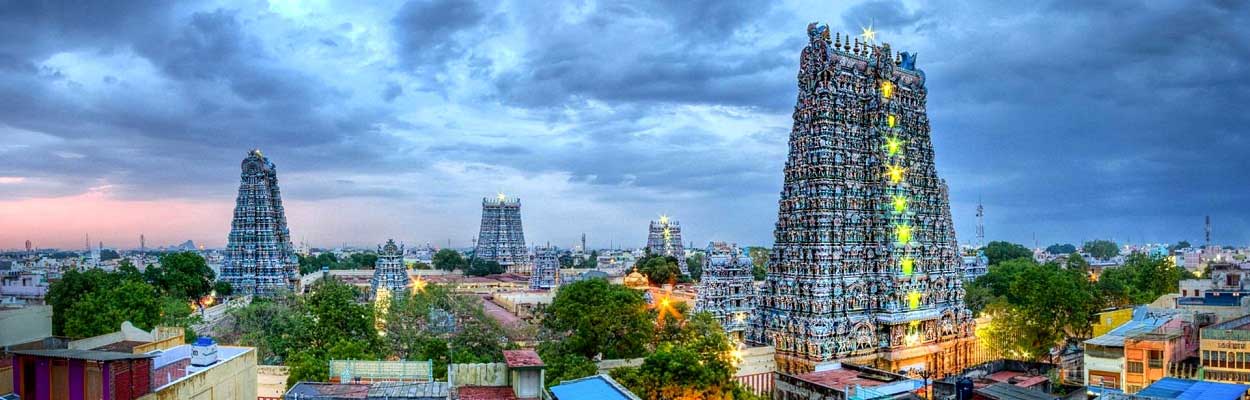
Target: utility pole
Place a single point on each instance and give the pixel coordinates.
(980, 224)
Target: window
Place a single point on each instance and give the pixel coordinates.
(1134, 367)
(1206, 358)
(1156, 358)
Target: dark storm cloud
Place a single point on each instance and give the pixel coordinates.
(1096, 110)
(430, 32)
(227, 90)
(662, 52)
(1072, 119)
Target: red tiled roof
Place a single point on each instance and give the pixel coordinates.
(1032, 381)
(1003, 376)
(840, 378)
(522, 358)
(486, 393)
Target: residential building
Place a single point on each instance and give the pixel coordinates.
(844, 382)
(1225, 351)
(1105, 354)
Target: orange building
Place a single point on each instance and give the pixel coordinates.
(1149, 357)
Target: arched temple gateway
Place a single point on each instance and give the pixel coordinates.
(865, 267)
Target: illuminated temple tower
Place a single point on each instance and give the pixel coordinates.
(546, 268)
(664, 238)
(259, 258)
(864, 267)
(501, 239)
(390, 272)
(727, 288)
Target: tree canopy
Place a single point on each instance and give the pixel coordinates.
(1101, 249)
(1036, 306)
(449, 260)
(1057, 249)
(659, 269)
(759, 262)
(181, 275)
(694, 264)
(1033, 306)
(483, 267)
(94, 302)
(998, 251)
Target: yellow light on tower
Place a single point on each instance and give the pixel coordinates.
(893, 145)
(416, 284)
(903, 233)
(895, 173)
(908, 264)
(501, 197)
(892, 120)
(663, 219)
(887, 89)
(913, 300)
(900, 204)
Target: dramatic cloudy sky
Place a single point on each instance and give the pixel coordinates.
(1068, 120)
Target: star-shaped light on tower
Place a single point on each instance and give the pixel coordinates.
(416, 284)
(502, 197)
(868, 34)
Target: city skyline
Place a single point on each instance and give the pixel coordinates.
(394, 121)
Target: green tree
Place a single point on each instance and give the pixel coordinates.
(100, 288)
(104, 309)
(659, 269)
(1057, 249)
(223, 288)
(592, 261)
(694, 264)
(1141, 279)
(694, 360)
(564, 365)
(1184, 244)
(759, 261)
(1033, 306)
(594, 317)
(998, 251)
(449, 260)
(1101, 249)
(483, 267)
(181, 275)
(109, 254)
(420, 266)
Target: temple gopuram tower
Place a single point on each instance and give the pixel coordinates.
(501, 238)
(664, 238)
(727, 288)
(546, 273)
(259, 258)
(865, 267)
(390, 272)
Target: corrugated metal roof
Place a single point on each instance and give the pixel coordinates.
(1007, 391)
(592, 387)
(90, 355)
(1144, 320)
(1185, 389)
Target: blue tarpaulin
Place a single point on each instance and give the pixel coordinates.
(591, 387)
(1185, 389)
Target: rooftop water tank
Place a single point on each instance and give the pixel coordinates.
(203, 352)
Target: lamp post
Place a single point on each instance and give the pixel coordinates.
(925, 374)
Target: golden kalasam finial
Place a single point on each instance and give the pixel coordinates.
(837, 43)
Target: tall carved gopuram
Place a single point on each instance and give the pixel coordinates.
(259, 259)
(865, 267)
